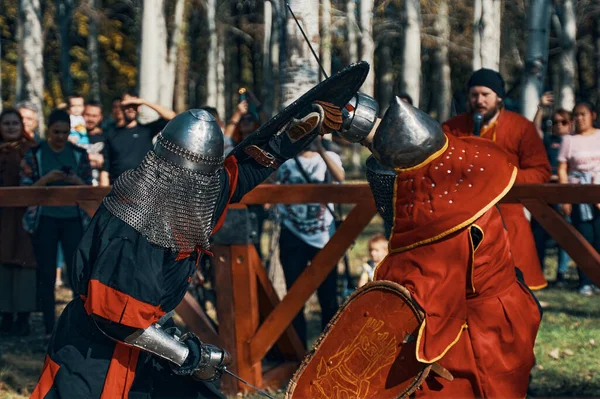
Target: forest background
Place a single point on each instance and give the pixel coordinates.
(189, 53)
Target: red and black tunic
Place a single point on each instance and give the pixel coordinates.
(121, 277)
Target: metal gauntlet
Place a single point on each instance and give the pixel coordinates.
(359, 115)
(204, 362)
(188, 355)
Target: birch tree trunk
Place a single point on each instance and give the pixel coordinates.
(351, 30)
(326, 37)
(386, 77)
(300, 70)
(597, 65)
(275, 70)
(536, 60)
(487, 15)
(367, 48)
(221, 97)
(566, 92)
(64, 17)
(212, 56)
(410, 81)
(442, 65)
(167, 89)
(30, 65)
(268, 87)
(182, 68)
(93, 49)
(158, 60)
(152, 55)
(1, 100)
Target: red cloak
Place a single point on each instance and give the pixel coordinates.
(449, 248)
(518, 137)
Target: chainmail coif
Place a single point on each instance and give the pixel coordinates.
(382, 186)
(171, 206)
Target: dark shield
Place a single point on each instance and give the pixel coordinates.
(337, 89)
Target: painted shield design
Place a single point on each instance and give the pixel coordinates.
(367, 350)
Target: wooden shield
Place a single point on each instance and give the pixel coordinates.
(367, 350)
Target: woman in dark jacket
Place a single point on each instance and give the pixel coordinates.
(17, 263)
(55, 162)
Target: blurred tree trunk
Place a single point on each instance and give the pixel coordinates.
(30, 64)
(566, 92)
(92, 12)
(183, 64)
(268, 86)
(221, 97)
(158, 58)
(410, 81)
(64, 18)
(487, 16)
(1, 100)
(442, 65)
(300, 70)
(351, 31)
(212, 91)
(597, 64)
(536, 60)
(367, 47)
(385, 92)
(153, 52)
(167, 90)
(325, 23)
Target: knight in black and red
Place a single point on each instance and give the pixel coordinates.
(135, 261)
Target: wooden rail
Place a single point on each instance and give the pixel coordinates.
(245, 294)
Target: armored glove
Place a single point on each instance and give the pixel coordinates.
(331, 117)
(204, 361)
(326, 117)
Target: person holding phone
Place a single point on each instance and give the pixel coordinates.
(55, 162)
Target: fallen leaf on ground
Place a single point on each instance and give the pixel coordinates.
(539, 367)
(592, 342)
(555, 354)
(568, 352)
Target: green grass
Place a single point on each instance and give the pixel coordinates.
(571, 325)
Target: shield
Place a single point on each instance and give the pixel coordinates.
(337, 89)
(368, 350)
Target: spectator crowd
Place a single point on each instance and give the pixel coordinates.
(84, 145)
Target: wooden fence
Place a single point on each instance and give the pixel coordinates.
(251, 317)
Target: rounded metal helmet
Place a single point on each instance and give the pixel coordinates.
(406, 136)
(192, 140)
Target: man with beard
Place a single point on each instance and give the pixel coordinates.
(126, 146)
(517, 136)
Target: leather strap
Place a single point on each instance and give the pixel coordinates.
(262, 157)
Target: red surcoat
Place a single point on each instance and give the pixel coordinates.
(518, 137)
(449, 248)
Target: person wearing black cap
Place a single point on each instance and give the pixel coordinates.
(518, 137)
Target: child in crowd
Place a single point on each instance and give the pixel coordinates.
(378, 250)
(78, 134)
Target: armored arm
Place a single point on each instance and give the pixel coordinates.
(187, 354)
(258, 161)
